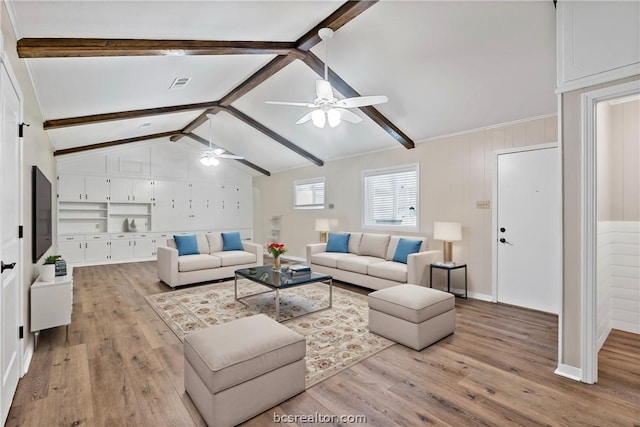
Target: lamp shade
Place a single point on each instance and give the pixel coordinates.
(323, 224)
(447, 231)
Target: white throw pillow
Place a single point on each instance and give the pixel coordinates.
(374, 245)
(215, 242)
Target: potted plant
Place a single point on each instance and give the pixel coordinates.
(276, 249)
(48, 271)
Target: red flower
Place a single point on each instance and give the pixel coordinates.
(276, 249)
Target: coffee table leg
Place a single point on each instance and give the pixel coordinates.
(277, 305)
(235, 287)
(330, 293)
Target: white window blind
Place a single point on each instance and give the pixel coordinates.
(391, 197)
(309, 194)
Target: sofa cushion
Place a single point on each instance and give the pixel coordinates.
(338, 242)
(215, 242)
(404, 248)
(235, 257)
(187, 245)
(329, 259)
(357, 264)
(354, 243)
(222, 361)
(374, 245)
(393, 245)
(197, 262)
(232, 242)
(389, 270)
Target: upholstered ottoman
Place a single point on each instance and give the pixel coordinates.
(236, 370)
(412, 315)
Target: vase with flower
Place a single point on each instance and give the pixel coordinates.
(275, 250)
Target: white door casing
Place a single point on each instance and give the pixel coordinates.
(526, 228)
(10, 248)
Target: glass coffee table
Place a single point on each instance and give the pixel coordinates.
(276, 280)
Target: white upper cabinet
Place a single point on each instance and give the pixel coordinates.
(83, 188)
(131, 190)
(598, 41)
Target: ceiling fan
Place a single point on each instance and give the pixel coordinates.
(211, 157)
(326, 107)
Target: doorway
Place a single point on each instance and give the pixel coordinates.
(526, 228)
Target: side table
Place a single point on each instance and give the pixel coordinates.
(449, 268)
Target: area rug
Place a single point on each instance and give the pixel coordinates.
(337, 338)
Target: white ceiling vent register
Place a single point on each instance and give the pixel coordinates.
(180, 82)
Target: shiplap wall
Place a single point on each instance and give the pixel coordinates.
(455, 173)
(618, 282)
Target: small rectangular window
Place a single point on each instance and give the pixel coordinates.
(309, 194)
(391, 198)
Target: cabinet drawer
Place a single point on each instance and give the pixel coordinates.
(92, 237)
(122, 236)
(64, 238)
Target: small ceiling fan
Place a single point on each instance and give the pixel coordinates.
(326, 107)
(210, 157)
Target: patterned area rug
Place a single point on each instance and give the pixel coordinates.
(336, 338)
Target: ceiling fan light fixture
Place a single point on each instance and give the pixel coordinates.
(333, 117)
(205, 161)
(318, 118)
(213, 161)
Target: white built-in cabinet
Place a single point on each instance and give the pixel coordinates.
(598, 41)
(113, 219)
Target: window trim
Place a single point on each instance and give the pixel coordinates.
(317, 180)
(390, 170)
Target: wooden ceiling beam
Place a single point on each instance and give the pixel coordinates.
(124, 115)
(245, 162)
(343, 15)
(79, 47)
(275, 65)
(114, 143)
(343, 87)
(271, 134)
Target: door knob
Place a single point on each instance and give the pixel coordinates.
(502, 229)
(503, 240)
(4, 266)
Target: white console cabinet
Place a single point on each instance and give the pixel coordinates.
(52, 303)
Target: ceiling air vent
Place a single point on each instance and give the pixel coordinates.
(179, 82)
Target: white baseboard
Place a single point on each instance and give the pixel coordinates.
(474, 295)
(603, 338)
(27, 357)
(568, 371)
(625, 326)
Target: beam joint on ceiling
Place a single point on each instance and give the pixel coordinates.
(124, 115)
(245, 162)
(79, 47)
(343, 87)
(271, 134)
(114, 143)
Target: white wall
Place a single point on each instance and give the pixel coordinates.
(455, 173)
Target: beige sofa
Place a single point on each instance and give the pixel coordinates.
(211, 264)
(369, 261)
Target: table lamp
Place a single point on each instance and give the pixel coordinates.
(323, 226)
(447, 232)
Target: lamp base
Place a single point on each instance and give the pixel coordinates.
(323, 236)
(448, 251)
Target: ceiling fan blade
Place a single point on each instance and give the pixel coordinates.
(294, 104)
(349, 116)
(323, 89)
(362, 101)
(304, 119)
(231, 156)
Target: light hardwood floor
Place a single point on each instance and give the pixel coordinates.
(122, 366)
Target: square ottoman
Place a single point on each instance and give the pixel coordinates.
(236, 370)
(412, 315)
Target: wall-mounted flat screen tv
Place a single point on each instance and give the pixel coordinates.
(42, 218)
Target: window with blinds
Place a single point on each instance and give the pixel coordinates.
(391, 197)
(308, 194)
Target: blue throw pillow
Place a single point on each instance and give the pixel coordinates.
(187, 245)
(404, 248)
(338, 242)
(232, 242)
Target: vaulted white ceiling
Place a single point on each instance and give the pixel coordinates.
(446, 67)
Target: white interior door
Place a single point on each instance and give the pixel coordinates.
(10, 301)
(528, 227)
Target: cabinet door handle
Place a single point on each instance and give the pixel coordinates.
(80, 245)
(85, 197)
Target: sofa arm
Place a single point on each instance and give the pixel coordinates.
(315, 248)
(418, 266)
(256, 249)
(167, 265)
